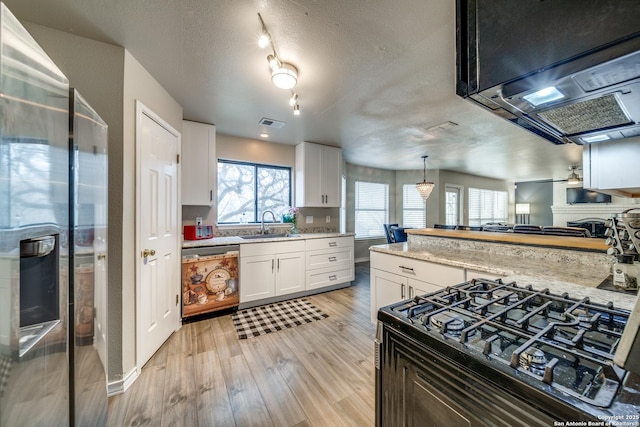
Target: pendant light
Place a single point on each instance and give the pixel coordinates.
(574, 178)
(424, 187)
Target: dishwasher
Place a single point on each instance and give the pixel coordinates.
(209, 279)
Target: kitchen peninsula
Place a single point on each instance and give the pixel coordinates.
(432, 259)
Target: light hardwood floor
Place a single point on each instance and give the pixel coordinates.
(317, 374)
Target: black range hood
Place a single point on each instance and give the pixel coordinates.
(568, 70)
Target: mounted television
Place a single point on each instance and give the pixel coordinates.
(580, 195)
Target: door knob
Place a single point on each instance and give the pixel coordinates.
(148, 252)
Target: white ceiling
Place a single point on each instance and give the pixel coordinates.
(374, 76)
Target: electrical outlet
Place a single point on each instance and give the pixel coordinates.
(198, 220)
(328, 218)
(309, 219)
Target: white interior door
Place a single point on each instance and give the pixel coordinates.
(157, 146)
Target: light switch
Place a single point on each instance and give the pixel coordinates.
(309, 219)
(328, 218)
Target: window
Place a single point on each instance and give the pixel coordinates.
(487, 206)
(413, 207)
(371, 209)
(246, 190)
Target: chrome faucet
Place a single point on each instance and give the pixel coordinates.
(266, 230)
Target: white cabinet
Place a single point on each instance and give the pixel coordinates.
(394, 278)
(318, 175)
(329, 261)
(271, 269)
(198, 163)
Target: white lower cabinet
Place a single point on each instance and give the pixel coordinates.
(329, 261)
(271, 269)
(289, 273)
(394, 278)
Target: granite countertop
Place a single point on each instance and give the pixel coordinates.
(237, 240)
(557, 275)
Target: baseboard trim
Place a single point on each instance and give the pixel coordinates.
(120, 386)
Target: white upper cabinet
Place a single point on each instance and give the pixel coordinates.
(198, 163)
(318, 173)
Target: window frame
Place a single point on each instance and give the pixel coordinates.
(255, 166)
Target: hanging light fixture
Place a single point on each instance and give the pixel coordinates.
(574, 178)
(425, 188)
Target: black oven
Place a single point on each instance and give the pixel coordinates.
(39, 281)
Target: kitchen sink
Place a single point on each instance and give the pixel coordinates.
(267, 236)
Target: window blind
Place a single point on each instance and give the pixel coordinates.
(371, 209)
(487, 206)
(413, 207)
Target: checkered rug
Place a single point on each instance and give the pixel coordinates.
(256, 321)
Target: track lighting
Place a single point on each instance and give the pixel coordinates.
(265, 39)
(274, 63)
(425, 188)
(283, 74)
(294, 99)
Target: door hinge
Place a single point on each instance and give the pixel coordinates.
(177, 299)
(95, 313)
(177, 158)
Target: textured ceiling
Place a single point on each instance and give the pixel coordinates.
(374, 77)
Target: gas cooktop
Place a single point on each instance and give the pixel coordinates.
(562, 346)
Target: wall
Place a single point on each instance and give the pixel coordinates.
(396, 179)
(473, 181)
(539, 195)
(265, 152)
(110, 79)
(138, 85)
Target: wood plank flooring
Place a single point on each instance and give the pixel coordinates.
(317, 374)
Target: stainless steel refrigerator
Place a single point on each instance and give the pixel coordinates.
(46, 376)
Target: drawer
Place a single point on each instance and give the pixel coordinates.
(270, 248)
(329, 243)
(323, 277)
(329, 258)
(438, 274)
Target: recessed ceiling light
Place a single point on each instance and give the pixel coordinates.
(264, 135)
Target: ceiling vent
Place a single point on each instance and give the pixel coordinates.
(271, 123)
